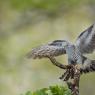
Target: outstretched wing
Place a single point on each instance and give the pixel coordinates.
(86, 40)
(52, 49)
(87, 66)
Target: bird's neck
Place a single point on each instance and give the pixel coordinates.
(70, 48)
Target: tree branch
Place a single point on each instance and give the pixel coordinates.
(74, 84)
(72, 72)
(56, 63)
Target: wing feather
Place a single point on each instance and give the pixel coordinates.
(88, 66)
(86, 40)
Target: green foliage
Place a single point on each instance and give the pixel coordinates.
(52, 90)
(47, 5)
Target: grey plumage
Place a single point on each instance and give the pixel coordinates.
(88, 65)
(86, 40)
(85, 43)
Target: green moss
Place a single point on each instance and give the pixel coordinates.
(52, 90)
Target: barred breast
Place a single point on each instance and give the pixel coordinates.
(74, 55)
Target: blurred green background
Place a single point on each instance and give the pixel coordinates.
(25, 24)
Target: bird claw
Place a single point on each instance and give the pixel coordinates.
(68, 74)
(65, 76)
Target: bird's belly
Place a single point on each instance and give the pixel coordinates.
(75, 60)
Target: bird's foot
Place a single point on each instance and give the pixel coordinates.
(65, 76)
(72, 77)
(68, 74)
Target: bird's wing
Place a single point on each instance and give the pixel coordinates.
(52, 49)
(87, 66)
(86, 40)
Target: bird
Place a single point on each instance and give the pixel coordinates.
(84, 44)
